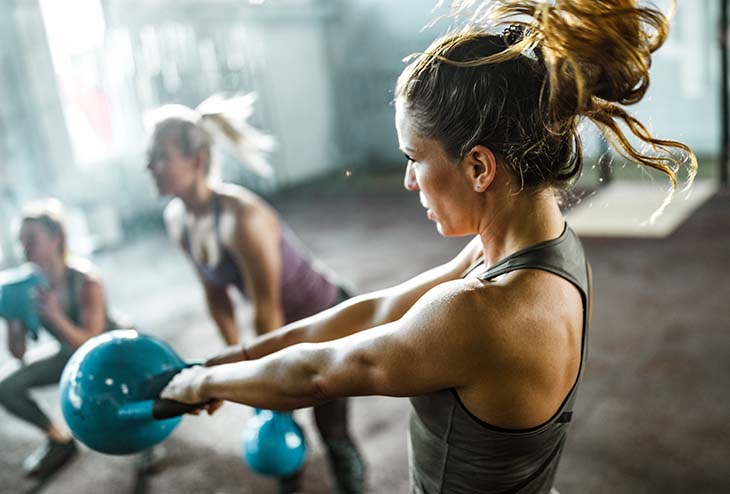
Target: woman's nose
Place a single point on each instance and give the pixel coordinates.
(409, 181)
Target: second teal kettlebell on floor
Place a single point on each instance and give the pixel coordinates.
(273, 444)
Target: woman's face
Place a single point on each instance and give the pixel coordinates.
(174, 173)
(40, 246)
(444, 189)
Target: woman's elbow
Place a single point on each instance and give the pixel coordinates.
(320, 390)
(354, 375)
(311, 374)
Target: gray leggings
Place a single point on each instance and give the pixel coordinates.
(14, 389)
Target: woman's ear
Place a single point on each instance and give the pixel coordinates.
(481, 167)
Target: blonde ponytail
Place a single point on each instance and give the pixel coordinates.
(219, 121)
(247, 143)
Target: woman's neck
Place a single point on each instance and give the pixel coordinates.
(55, 271)
(199, 199)
(519, 221)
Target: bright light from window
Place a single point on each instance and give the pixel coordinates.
(73, 27)
(76, 34)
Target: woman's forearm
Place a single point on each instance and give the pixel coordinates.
(284, 382)
(349, 317)
(221, 310)
(72, 334)
(268, 316)
(16, 339)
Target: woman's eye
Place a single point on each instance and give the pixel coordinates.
(408, 158)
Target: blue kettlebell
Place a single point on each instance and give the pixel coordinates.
(273, 444)
(110, 392)
(17, 302)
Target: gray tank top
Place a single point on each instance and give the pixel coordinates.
(451, 451)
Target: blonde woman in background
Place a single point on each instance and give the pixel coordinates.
(236, 240)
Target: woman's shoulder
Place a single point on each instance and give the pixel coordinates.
(242, 209)
(534, 287)
(526, 290)
(531, 306)
(462, 301)
(523, 329)
(237, 198)
(84, 270)
(525, 299)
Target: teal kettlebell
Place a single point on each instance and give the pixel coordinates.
(273, 443)
(110, 392)
(17, 287)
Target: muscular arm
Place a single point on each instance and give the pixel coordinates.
(357, 314)
(255, 245)
(16, 339)
(508, 349)
(431, 347)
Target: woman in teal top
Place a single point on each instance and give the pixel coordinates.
(72, 308)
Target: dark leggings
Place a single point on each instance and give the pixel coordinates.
(14, 389)
(345, 460)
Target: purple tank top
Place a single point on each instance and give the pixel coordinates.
(305, 290)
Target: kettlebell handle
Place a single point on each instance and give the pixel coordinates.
(159, 408)
(166, 409)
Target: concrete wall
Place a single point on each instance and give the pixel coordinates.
(368, 41)
(282, 46)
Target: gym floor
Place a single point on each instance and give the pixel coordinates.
(652, 414)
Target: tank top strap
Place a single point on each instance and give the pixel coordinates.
(73, 288)
(217, 210)
(185, 237)
(473, 266)
(562, 256)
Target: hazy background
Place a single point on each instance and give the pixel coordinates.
(76, 78)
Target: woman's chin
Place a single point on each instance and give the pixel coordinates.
(445, 231)
(39, 264)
